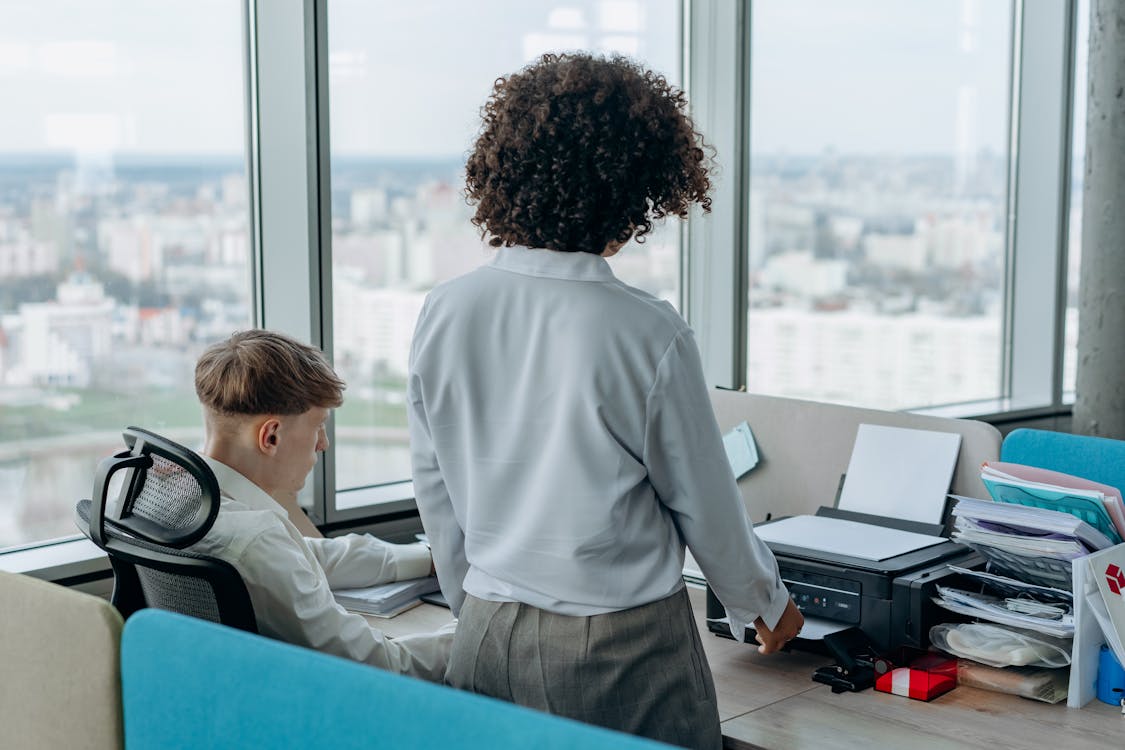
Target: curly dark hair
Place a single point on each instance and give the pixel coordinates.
(576, 152)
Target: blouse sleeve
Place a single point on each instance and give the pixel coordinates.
(689, 470)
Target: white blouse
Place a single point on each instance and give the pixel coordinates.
(564, 448)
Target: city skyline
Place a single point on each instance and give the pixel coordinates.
(839, 273)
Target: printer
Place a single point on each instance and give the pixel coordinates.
(872, 561)
(890, 600)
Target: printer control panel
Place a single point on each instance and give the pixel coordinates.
(825, 597)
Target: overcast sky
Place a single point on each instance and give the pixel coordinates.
(408, 77)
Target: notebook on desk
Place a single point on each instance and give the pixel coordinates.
(388, 599)
(436, 598)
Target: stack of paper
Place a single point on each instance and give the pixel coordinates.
(388, 599)
(1055, 619)
(1099, 505)
(1027, 528)
(1027, 543)
(1013, 588)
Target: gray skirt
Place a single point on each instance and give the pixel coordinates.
(640, 670)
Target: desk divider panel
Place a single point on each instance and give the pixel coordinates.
(188, 683)
(60, 682)
(805, 447)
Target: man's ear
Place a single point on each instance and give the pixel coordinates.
(269, 435)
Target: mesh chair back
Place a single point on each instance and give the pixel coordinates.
(171, 495)
(168, 500)
(189, 595)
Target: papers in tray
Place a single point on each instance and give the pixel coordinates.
(839, 537)
(1028, 528)
(388, 599)
(1027, 543)
(814, 629)
(1012, 588)
(1056, 620)
(1099, 505)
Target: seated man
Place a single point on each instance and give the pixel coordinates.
(265, 400)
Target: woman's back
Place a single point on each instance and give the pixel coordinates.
(535, 373)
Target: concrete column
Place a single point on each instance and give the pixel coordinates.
(1100, 405)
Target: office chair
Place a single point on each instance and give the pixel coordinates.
(168, 500)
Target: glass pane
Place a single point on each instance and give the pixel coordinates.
(407, 83)
(877, 202)
(1077, 171)
(124, 247)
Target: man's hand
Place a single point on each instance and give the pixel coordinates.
(786, 630)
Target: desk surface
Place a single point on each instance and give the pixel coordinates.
(771, 702)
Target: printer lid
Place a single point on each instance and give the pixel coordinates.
(893, 566)
(880, 544)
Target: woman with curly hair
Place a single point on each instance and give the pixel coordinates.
(563, 444)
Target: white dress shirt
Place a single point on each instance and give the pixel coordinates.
(564, 447)
(290, 576)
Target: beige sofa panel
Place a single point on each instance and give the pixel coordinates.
(60, 676)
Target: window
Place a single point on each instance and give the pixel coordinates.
(407, 82)
(124, 245)
(878, 203)
(898, 253)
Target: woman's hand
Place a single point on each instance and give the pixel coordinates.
(786, 630)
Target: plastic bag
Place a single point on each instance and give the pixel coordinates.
(1001, 646)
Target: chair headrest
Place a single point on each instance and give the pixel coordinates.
(169, 495)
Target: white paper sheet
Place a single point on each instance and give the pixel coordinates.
(814, 629)
(900, 473)
(840, 537)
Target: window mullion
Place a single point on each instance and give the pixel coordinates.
(286, 180)
(716, 281)
(1039, 201)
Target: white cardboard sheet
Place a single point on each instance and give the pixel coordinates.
(900, 473)
(840, 537)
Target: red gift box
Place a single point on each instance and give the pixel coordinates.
(924, 679)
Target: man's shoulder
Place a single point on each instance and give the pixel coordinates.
(239, 529)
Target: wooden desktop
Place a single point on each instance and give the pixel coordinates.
(771, 702)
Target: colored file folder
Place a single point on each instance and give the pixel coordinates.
(1097, 504)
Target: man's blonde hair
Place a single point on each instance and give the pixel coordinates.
(261, 372)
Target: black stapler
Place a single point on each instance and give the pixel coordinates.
(855, 665)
